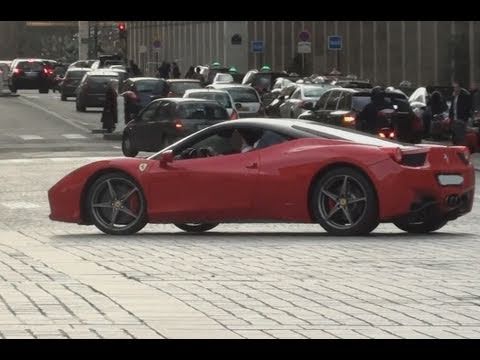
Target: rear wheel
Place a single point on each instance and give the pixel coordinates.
(196, 227)
(13, 89)
(344, 203)
(116, 205)
(63, 98)
(80, 107)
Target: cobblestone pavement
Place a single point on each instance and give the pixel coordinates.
(238, 281)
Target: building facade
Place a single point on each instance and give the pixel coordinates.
(386, 52)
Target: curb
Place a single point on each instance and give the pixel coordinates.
(113, 136)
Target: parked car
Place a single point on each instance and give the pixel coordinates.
(298, 172)
(164, 121)
(69, 84)
(220, 96)
(341, 107)
(92, 89)
(102, 60)
(30, 74)
(177, 87)
(246, 99)
(294, 105)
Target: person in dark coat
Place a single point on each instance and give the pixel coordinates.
(435, 106)
(175, 71)
(163, 70)
(475, 97)
(460, 112)
(110, 111)
(369, 115)
(190, 73)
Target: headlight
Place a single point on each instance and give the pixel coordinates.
(446, 180)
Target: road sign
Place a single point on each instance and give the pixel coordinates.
(157, 44)
(304, 36)
(335, 42)
(304, 47)
(257, 46)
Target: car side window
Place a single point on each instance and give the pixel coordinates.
(163, 112)
(149, 112)
(296, 94)
(345, 101)
(333, 100)
(322, 101)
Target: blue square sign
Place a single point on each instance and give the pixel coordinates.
(257, 46)
(335, 42)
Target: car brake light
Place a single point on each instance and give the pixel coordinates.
(382, 135)
(234, 115)
(45, 70)
(395, 153)
(16, 71)
(391, 135)
(349, 119)
(178, 124)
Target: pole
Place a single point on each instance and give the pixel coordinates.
(95, 39)
(338, 60)
(83, 35)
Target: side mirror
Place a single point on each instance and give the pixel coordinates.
(307, 106)
(238, 106)
(166, 157)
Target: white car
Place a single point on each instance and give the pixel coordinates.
(293, 107)
(220, 96)
(246, 99)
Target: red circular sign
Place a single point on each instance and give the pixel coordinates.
(304, 36)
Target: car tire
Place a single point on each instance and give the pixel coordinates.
(63, 98)
(356, 205)
(13, 90)
(79, 107)
(429, 225)
(103, 216)
(196, 228)
(128, 147)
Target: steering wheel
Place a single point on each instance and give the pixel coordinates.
(205, 152)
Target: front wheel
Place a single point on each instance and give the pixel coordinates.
(196, 228)
(344, 203)
(116, 204)
(423, 227)
(128, 148)
(63, 98)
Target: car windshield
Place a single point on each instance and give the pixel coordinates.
(75, 74)
(314, 91)
(149, 86)
(199, 111)
(222, 99)
(179, 88)
(397, 101)
(243, 95)
(99, 82)
(332, 132)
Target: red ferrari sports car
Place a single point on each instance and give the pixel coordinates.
(272, 170)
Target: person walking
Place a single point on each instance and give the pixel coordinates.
(175, 71)
(110, 111)
(460, 112)
(436, 105)
(190, 73)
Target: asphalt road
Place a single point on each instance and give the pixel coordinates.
(238, 281)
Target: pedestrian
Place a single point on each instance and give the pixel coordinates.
(475, 97)
(109, 114)
(190, 73)
(198, 75)
(134, 69)
(460, 112)
(163, 70)
(436, 105)
(369, 115)
(175, 71)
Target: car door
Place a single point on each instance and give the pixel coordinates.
(340, 117)
(286, 107)
(144, 123)
(331, 106)
(217, 188)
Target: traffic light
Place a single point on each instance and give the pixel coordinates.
(122, 31)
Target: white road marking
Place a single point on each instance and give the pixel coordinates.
(31, 137)
(19, 205)
(17, 161)
(58, 116)
(74, 136)
(32, 96)
(117, 147)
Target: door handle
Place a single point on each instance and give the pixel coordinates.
(252, 166)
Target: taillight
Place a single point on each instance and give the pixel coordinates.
(391, 135)
(16, 71)
(178, 124)
(349, 119)
(45, 71)
(234, 115)
(395, 153)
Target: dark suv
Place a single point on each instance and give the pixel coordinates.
(30, 74)
(93, 87)
(342, 106)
